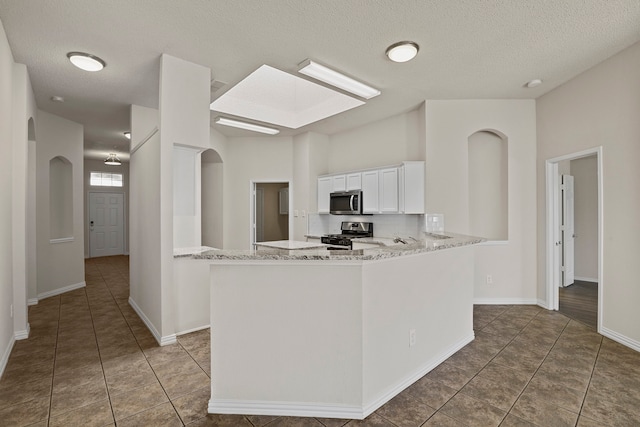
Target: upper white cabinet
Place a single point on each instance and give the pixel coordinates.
(339, 183)
(354, 181)
(324, 189)
(388, 190)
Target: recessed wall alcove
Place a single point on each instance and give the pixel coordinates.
(60, 199)
(488, 165)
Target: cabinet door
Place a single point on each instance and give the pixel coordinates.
(413, 187)
(354, 181)
(370, 192)
(389, 190)
(324, 189)
(339, 183)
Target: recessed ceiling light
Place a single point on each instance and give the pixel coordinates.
(56, 98)
(339, 80)
(127, 135)
(533, 83)
(245, 125)
(402, 51)
(86, 61)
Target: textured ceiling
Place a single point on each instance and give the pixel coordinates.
(468, 49)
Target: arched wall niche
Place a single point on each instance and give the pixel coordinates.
(212, 177)
(60, 198)
(488, 166)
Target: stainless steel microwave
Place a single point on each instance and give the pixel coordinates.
(346, 202)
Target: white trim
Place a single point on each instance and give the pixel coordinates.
(62, 240)
(61, 290)
(552, 290)
(169, 339)
(5, 356)
(23, 335)
(586, 279)
(506, 301)
(306, 409)
(427, 367)
(542, 303)
(252, 208)
(626, 341)
(188, 331)
(144, 140)
(32, 301)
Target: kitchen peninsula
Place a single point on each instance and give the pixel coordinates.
(334, 333)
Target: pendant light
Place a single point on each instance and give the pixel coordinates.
(112, 160)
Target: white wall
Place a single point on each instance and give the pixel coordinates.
(448, 127)
(601, 107)
(91, 165)
(60, 265)
(261, 159)
(585, 174)
(6, 258)
(385, 142)
(187, 218)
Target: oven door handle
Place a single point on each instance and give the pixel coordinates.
(353, 208)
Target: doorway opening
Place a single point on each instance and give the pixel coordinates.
(574, 210)
(270, 219)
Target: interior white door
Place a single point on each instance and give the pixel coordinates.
(106, 224)
(568, 231)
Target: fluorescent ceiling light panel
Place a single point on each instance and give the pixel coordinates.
(334, 78)
(269, 95)
(245, 125)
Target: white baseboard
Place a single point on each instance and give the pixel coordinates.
(169, 339)
(626, 341)
(61, 290)
(586, 279)
(305, 409)
(506, 301)
(376, 403)
(23, 335)
(32, 301)
(5, 356)
(543, 303)
(188, 331)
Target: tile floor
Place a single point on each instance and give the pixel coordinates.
(90, 361)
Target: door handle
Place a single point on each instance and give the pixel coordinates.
(91, 225)
(351, 203)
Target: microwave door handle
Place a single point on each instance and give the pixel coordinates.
(351, 203)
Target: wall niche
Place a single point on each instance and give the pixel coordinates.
(60, 199)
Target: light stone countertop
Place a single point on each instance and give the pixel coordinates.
(187, 252)
(430, 243)
(290, 245)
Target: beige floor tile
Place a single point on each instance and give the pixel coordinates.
(25, 413)
(494, 393)
(13, 394)
(554, 393)
(403, 410)
(295, 422)
(543, 413)
(65, 399)
(472, 412)
(130, 380)
(184, 383)
(441, 420)
(430, 392)
(162, 415)
(137, 400)
(260, 420)
(223, 421)
(193, 406)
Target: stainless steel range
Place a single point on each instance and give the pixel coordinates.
(350, 230)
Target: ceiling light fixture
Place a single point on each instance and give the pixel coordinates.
(402, 51)
(245, 125)
(86, 61)
(334, 78)
(127, 135)
(112, 160)
(57, 98)
(533, 83)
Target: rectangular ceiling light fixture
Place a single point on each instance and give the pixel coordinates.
(245, 125)
(334, 78)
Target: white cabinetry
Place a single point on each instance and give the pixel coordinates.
(354, 181)
(388, 190)
(339, 183)
(325, 186)
(370, 192)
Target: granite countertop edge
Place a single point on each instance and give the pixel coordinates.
(431, 242)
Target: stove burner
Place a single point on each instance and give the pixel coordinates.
(350, 230)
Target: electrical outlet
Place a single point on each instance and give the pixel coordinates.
(489, 279)
(412, 337)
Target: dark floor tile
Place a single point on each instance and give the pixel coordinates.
(12, 395)
(513, 421)
(542, 413)
(372, 420)
(607, 412)
(494, 393)
(430, 392)
(472, 412)
(450, 375)
(333, 422)
(403, 410)
(65, 399)
(26, 413)
(184, 383)
(94, 414)
(12, 378)
(260, 420)
(193, 406)
(295, 422)
(554, 393)
(159, 416)
(441, 420)
(222, 421)
(130, 380)
(137, 400)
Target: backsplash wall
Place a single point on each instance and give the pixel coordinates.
(383, 225)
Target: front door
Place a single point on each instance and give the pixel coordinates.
(568, 231)
(106, 224)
